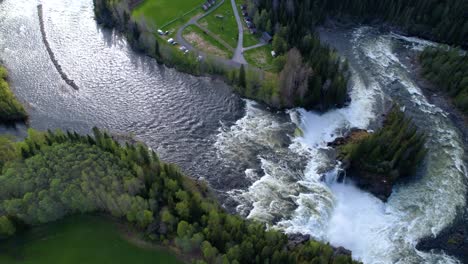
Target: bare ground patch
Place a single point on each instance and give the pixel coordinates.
(200, 43)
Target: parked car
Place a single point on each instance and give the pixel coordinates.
(170, 41)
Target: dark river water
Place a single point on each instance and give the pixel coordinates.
(249, 154)
(176, 114)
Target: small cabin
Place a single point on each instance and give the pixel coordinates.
(266, 37)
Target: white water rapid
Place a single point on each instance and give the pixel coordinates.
(310, 201)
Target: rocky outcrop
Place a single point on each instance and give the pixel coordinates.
(51, 53)
(298, 238)
(452, 240)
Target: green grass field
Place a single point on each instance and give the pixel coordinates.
(249, 39)
(78, 240)
(205, 42)
(226, 27)
(160, 12)
(260, 57)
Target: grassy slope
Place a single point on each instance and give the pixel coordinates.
(216, 47)
(225, 28)
(78, 240)
(10, 108)
(161, 12)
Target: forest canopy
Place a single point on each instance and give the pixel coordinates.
(10, 109)
(447, 68)
(393, 152)
(53, 174)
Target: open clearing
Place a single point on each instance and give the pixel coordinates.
(260, 57)
(222, 23)
(160, 12)
(78, 240)
(205, 43)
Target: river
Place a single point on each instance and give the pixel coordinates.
(249, 155)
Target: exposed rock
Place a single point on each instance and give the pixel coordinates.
(452, 240)
(296, 239)
(354, 135)
(341, 251)
(379, 185)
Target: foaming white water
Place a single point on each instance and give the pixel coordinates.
(340, 213)
(387, 233)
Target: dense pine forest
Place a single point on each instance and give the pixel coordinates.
(10, 109)
(442, 21)
(53, 174)
(393, 152)
(447, 68)
(319, 76)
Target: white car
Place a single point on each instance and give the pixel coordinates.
(182, 48)
(170, 41)
(160, 32)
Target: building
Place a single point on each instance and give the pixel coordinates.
(208, 4)
(266, 37)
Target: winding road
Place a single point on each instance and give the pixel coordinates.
(238, 57)
(238, 53)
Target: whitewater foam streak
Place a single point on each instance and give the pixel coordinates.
(311, 201)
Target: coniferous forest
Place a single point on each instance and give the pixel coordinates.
(301, 174)
(447, 68)
(10, 109)
(50, 175)
(393, 152)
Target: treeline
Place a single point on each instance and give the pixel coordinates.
(54, 174)
(443, 21)
(391, 153)
(447, 68)
(320, 76)
(320, 84)
(10, 109)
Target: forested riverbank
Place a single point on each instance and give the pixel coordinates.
(447, 69)
(293, 82)
(53, 174)
(10, 109)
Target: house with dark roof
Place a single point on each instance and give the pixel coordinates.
(266, 37)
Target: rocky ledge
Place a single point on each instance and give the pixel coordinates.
(452, 240)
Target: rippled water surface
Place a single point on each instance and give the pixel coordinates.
(176, 114)
(260, 164)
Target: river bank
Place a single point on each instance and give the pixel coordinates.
(453, 239)
(11, 110)
(181, 117)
